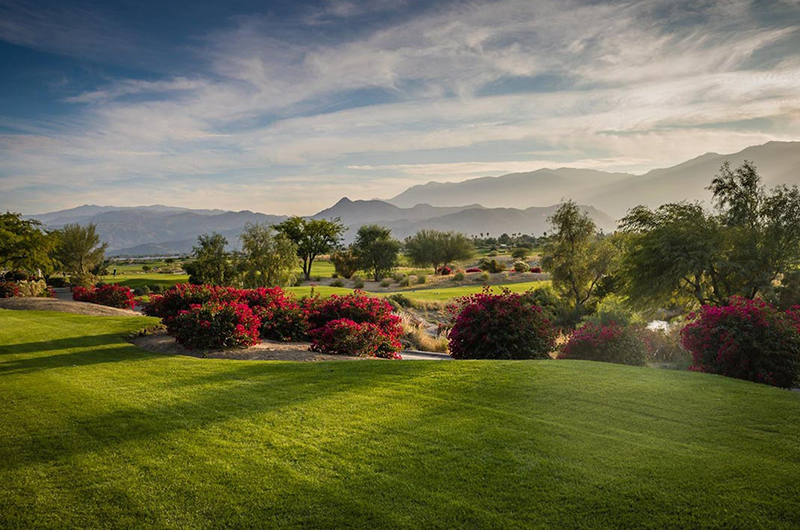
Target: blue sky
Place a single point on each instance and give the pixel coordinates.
(284, 107)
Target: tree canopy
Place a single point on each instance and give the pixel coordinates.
(312, 238)
(211, 263)
(747, 242)
(79, 251)
(24, 245)
(437, 249)
(376, 250)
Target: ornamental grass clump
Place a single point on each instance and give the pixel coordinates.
(609, 343)
(746, 339)
(216, 325)
(500, 326)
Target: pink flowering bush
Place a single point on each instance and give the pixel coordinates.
(215, 325)
(357, 307)
(8, 290)
(500, 326)
(536, 269)
(473, 269)
(444, 271)
(184, 295)
(282, 317)
(108, 295)
(610, 343)
(746, 339)
(346, 337)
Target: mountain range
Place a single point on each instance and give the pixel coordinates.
(517, 202)
(613, 193)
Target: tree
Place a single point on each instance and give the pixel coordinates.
(345, 262)
(576, 258)
(520, 253)
(376, 250)
(268, 257)
(313, 237)
(211, 264)
(24, 245)
(79, 251)
(437, 249)
(749, 240)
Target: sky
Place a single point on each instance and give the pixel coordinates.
(285, 107)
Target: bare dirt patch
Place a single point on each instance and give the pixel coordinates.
(64, 306)
(161, 342)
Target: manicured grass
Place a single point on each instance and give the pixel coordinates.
(98, 434)
(448, 293)
(151, 278)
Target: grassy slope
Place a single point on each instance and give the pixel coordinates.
(442, 294)
(98, 434)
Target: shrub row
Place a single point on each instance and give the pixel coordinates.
(109, 295)
(27, 288)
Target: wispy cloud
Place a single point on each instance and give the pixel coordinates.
(644, 84)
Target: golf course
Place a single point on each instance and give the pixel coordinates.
(99, 434)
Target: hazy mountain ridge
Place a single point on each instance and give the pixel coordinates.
(613, 193)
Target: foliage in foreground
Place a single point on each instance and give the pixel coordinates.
(611, 343)
(500, 326)
(746, 339)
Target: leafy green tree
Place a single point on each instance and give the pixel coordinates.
(268, 257)
(749, 240)
(313, 237)
(576, 257)
(438, 249)
(520, 253)
(24, 245)
(80, 251)
(211, 263)
(345, 262)
(376, 250)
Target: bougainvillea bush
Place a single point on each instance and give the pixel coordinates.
(282, 317)
(184, 295)
(610, 343)
(357, 307)
(746, 339)
(346, 337)
(216, 325)
(8, 290)
(108, 295)
(500, 326)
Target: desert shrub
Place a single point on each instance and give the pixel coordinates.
(8, 289)
(358, 283)
(356, 307)
(418, 338)
(34, 288)
(421, 279)
(184, 295)
(401, 300)
(404, 282)
(610, 343)
(216, 325)
(109, 295)
(484, 277)
(537, 270)
(492, 266)
(458, 276)
(398, 277)
(57, 281)
(664, 347)
(345, 337)
(386, 282)
(493, 254)
(83, 280)
(500, 326)
(521, 266)
(146, 268)
(335, 275)
(337, 283)
(746, 339)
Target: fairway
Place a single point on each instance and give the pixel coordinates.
(98, 434)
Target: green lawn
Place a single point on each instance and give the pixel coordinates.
(98, 434)
(134, 280)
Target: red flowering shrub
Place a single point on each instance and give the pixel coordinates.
(610, 343)
(474, 269)
(109, 295)
(536, 269)
(183, 295)
(215, 325)
(8, 290)
(282, 318)
(444, 271)
(500, 326)
(356, 307)
(345, 337)
(746, 339)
